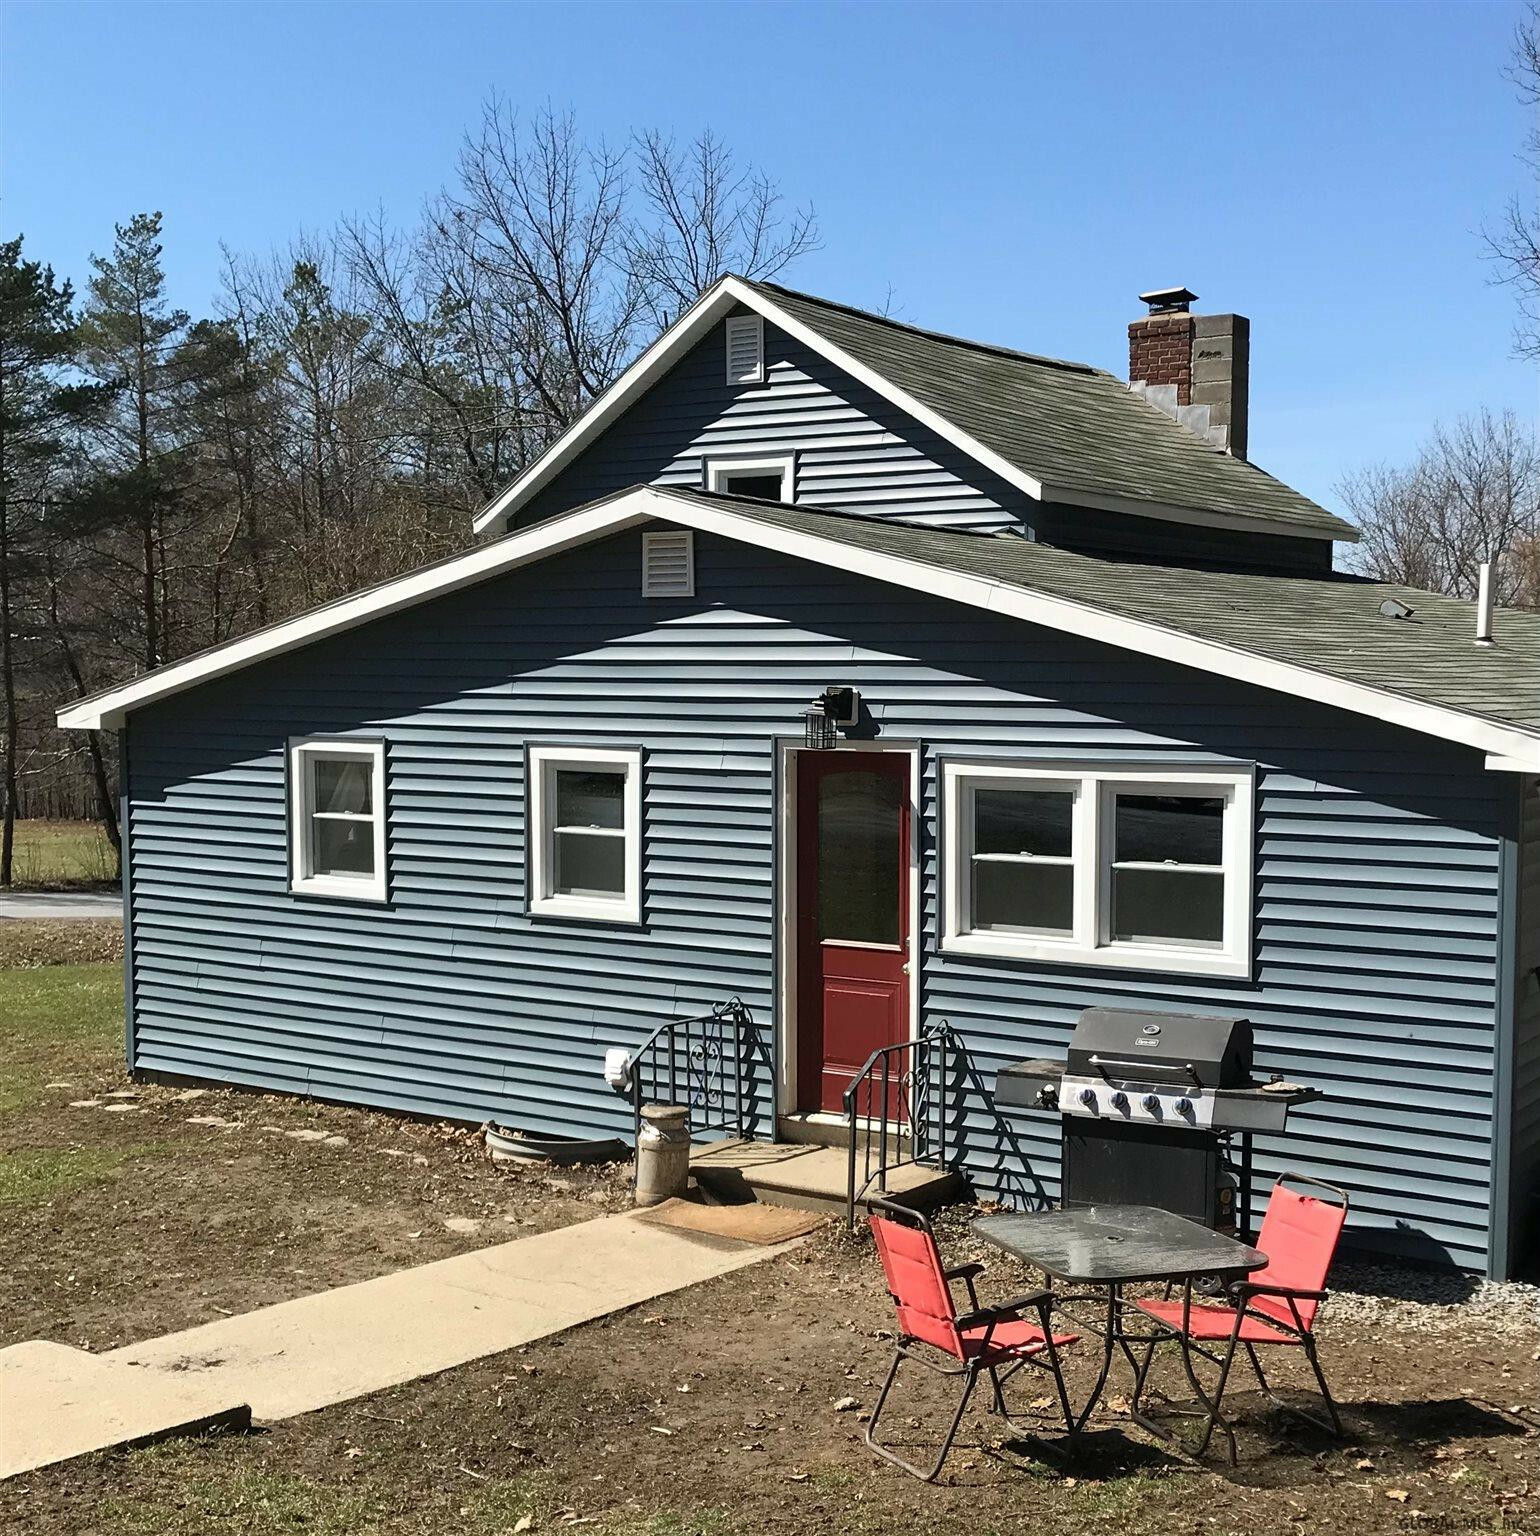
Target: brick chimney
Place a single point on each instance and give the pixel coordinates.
(1193, 367)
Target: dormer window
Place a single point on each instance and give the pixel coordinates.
(765, 479)
(745, 350)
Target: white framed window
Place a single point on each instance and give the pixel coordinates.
(745, 352)
(337, 818)
(1132, 867)
(668, 563)
(584, 832)
(769, 477)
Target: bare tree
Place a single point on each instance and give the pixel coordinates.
(1515, 244)
(1472, 494)
(708, 218)
(542, 216)
(446, 347)
(569, 252)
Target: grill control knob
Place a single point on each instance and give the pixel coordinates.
(1120, 1100)
(1087, 1096)
(1184, 1107)
(1151, 1102)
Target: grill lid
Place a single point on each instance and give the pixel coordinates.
(1191, 1049)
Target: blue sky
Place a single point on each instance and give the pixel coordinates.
(1012, 172)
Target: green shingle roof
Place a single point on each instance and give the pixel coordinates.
(1075, 428)
(1331, 625)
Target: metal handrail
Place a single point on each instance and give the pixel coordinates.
(699, 1062)
(900, 1086)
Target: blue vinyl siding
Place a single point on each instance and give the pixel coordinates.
(1376, 891)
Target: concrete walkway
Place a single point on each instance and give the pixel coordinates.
(57, 1402)
(47, 906)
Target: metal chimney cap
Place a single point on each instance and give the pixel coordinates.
(1168, 301)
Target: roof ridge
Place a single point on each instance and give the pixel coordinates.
(1068, 365)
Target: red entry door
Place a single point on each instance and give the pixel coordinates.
(852, 916)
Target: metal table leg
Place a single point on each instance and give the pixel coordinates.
(1210, 1408)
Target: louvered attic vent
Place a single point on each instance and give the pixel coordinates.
(668, 564)
(745, 349)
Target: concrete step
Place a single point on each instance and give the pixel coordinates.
(805, 1177)
(831, 1131)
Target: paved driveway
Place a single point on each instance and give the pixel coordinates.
(30, 906)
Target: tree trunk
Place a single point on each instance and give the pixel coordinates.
(7, 671)
(106, 812)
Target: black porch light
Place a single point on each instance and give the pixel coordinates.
(836, 706)
(818, 727)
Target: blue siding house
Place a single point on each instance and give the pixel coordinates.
(1100, 727)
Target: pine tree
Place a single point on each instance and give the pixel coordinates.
(128, 338)
(38, 407)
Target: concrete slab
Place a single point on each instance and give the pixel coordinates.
(301, 1355)
(805, 1176)
(51, 906)
(57, 1402)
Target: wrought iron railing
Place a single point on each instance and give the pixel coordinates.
(706, 1063)
(901, 1108)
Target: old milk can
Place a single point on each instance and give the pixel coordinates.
(662, 1153)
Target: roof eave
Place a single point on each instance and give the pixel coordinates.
(1517, 748)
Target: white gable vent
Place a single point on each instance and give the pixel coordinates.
(745, 349)
(668, 564)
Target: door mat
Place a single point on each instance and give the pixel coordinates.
(749, 1223)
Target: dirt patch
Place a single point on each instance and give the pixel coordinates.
(75, 941)
(715, 1410)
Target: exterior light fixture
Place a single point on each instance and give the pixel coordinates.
(833, 708)
(818, 734)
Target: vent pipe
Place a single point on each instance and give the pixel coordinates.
(1484, 604)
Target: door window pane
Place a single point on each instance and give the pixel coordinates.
(1164, 906)
(1019, 895)
(586, 799)
(1023, 821)
(859, 820)
(342, 847)
(590, 864)
(343, 784)
(1169, 829)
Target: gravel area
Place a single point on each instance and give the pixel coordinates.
(1429, 1301)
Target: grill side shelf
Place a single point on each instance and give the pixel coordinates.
(1021, 1085)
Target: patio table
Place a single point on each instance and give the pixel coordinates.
(1104, 1248)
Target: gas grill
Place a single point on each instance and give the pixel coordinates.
(1156, 1109)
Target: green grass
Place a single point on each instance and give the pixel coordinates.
(54, 1021)
(246, 1499)
(34, 1175)
(54, 854)
(259, 1502)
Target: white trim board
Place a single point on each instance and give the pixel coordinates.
(728, 294)
(1519, 749)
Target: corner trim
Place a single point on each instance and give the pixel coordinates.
(125, 871)
(1500, 1217)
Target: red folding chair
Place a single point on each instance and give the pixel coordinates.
(997, 1340)
(1275, 1305)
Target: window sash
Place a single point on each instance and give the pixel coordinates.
(1090, 940)
(542, 830)
(306, 757)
